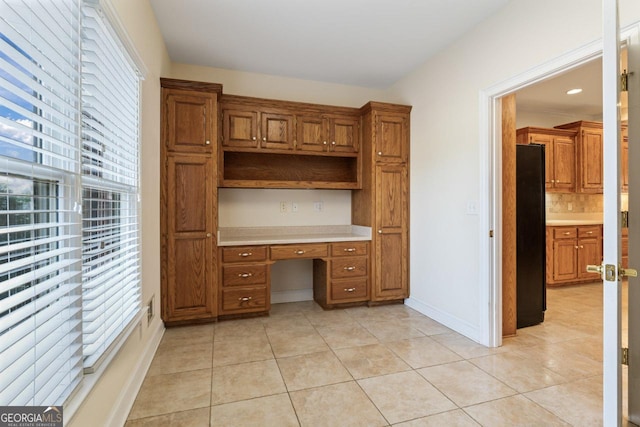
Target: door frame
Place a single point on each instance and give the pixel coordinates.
(490, 231)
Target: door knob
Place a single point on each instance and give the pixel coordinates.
(607, 272)
(595, 269)
(627, 272)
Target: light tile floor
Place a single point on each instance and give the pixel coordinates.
(378, 366)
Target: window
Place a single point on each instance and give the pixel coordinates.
(69, 235)
(110, 232)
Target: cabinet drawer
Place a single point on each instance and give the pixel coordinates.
(298, 251)
(244, 300)
(239, 275)
(590, 231)
(349, 289)
(349, 249)
(349, 267)
(244, 253)
(565, 232)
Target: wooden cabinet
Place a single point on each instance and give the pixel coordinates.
(383, 202)
(280, 144)
(560, 155)
(244, 278)
(569, 250)
(247, 127)
(343, 277)
(188, 201)
(327, 133)
(589, 161)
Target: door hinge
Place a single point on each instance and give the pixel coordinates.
(490, 233)
(624, 356)
(624, 81)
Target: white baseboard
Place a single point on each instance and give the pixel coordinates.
(291, 296)
(462, 327)
(122, 407)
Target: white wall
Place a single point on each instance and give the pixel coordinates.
(445, 168)
(108, 402)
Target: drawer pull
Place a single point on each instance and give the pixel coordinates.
(576, 247)
(245, 275)
(350, 268)
(566, 233)
(349, 289)
(244, 299)
(245, 254)
(349, 249)
(589, 232)
(299, 252)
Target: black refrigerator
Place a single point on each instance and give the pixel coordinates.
(531, 295)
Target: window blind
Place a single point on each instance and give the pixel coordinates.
(110, 185)
(40, 240)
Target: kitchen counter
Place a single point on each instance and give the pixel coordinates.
(235, 236)
(569, 222)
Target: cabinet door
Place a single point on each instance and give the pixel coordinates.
(391, 137)
(240, 128)
(392, 238)
(591, 161)
(190, 121)
(589, 252)
(344, 134)
(311, 133)
(564, 163)
(565, 260)
(547, 141)
(190, 225)
(276, 131)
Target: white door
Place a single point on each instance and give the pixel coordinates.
(633, 104)
(612, 370)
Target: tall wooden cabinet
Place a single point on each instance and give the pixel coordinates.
(589, 161)
(188, 201)
(383, 201)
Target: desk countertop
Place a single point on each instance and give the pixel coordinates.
(234, 236)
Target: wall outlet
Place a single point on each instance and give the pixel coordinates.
(150, 311)
(318, 206)
(569, 206)
(283, 207)
(294, 207)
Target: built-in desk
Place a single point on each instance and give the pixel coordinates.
(340, 264)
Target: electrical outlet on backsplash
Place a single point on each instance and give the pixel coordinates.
(565, 203)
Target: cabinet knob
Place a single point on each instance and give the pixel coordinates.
(333, 143)
(208, 234)
(299, 252)
(264, 138)
(244, 299)
(576, 247)
(245, 275)
(350, 268)
(245, 254)
(208, 142)
(581, 246)
(324, 142)
(379, 153)
(379, 231)
(349, 289)
(254, 138)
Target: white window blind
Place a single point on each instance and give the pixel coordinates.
(40, 252)
(110, 185)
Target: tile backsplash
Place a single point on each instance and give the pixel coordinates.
(558, 203)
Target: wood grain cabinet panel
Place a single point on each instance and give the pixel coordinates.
(302, 251)
(245, 300)
(276, 131)
(188, 201)
(344, 134)
(187, 123)
(589, 144)
(244, 254)
(569, 250)
(349, 267)
(240, 128)
(242, 275)
(391, 137)
(311, 133)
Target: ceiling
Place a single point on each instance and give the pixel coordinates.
(550, 96)
(369, 43)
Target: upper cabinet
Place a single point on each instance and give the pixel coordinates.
(589, 144)
(560, 156)
(246, 127)
(190, 120)
(280, 144)
(391, 136)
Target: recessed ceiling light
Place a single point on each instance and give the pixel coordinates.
(574, 91)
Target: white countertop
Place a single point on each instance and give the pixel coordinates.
(233, 236)
(560, 222)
